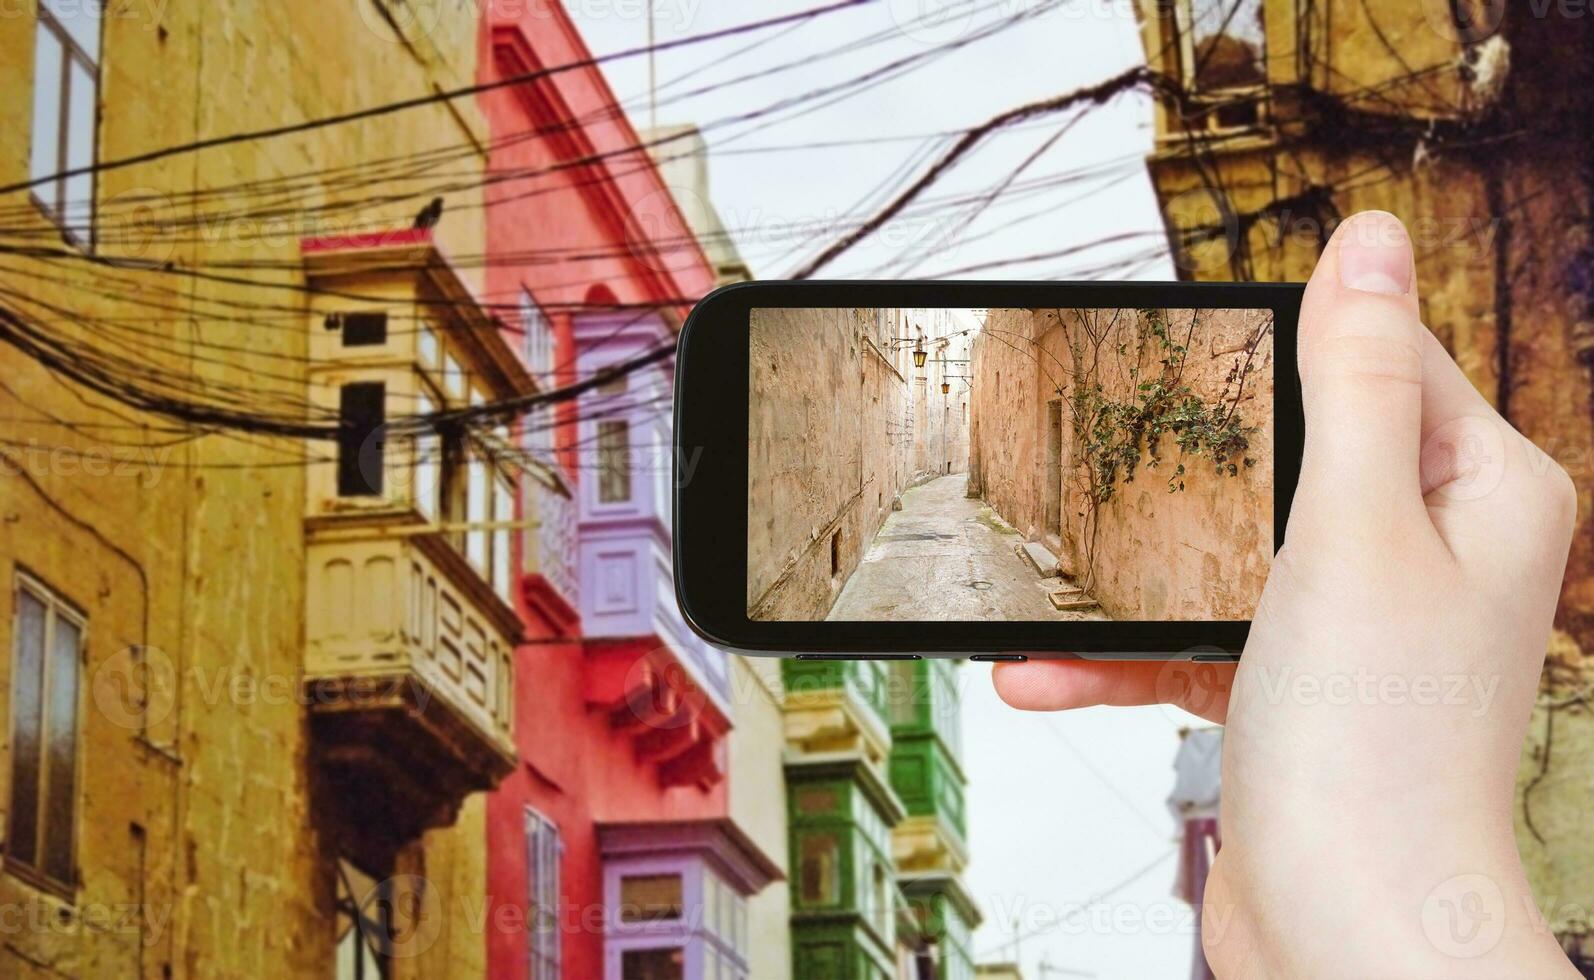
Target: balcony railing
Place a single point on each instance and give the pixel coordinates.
(408, 672)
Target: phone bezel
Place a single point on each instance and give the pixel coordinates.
(711, 433)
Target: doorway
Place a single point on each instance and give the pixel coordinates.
(1052, 476)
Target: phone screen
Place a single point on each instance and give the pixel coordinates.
(1026, 465)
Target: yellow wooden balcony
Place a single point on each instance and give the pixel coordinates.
(408, 673)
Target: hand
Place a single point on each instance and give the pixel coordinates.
(1376, 718)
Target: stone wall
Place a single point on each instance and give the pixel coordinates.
(841, 422)
(1499, 221)
(1151, 550)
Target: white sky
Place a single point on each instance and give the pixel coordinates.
(1047, 832)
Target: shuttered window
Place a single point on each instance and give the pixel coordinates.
(543, 853)
(48, 647)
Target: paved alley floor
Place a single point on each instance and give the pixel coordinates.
(946, 557)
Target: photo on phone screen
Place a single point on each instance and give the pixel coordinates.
(1008, 464)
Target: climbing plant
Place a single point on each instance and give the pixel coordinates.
(1129, 430)
(1147, 415)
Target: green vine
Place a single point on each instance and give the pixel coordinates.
(1121, 436)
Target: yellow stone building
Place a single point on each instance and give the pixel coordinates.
(1469, 119)
(208, 759)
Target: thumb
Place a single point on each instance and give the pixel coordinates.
(1360, 357)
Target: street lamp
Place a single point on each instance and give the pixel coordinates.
(919, 355)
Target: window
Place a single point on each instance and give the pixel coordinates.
(835, 554)
(360, 441)
(539, 340)
(905, 691)
(1223, 43)
(882, 898)
(427, 344)
(614, 461)
(478, 510)
(453, 377)
(503, 514)
(819, 859)
(1221, 48)
(653, 964)
(428, 462)
(367, 329)
(816, 801)
(543, 852)
(364, 924)
(650, 898)
(539, 440)
(48, 638)
(66, 81)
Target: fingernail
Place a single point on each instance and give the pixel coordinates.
(1375, 255)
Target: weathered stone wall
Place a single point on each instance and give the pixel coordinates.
(1202, 552)
(838, 428)
(1499, 221)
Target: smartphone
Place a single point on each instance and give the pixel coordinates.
(991, 468)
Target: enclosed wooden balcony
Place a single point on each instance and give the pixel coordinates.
(409, 538)
(836, 706)
(409, 675)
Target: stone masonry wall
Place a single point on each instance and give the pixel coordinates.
(1201, 552)
(837, 431)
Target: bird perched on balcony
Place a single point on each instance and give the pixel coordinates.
(429, 215)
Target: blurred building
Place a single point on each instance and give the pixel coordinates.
(291, 689)
(682, 158)
(878, 834)
(1469, 120)
(1195, 802)
(638, 832)
(258, 659)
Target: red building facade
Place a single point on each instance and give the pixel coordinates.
(611, 852)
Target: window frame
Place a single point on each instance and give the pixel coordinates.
(56, 607)
(544, 856)
(531, 312)
(367, 936)
(1177, 20)
(57, 212)
(639, 913)
(677, 949)
(614, 461)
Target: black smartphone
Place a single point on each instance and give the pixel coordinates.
(993, 468)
